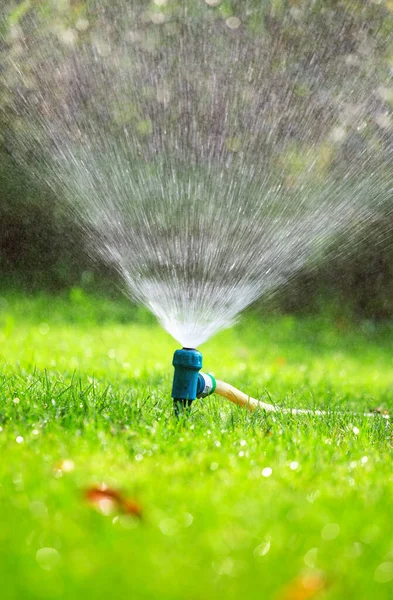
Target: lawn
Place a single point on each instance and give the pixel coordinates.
(224, 504)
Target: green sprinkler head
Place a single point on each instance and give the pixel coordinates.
(188, 382)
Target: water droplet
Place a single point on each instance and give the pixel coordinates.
(226, 566)
(168, 527)
(68, 37)
(157, 18)
(233, 22)
(102, 47)
(266, 472)
(263, 548)
(384, 572)
(357, 549)
(38, 509)
(187, 519)
(47, 558)
(67, 465)
(310, 558)
(330, 531)
(82, 25)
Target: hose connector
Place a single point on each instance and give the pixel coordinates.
(206, 385)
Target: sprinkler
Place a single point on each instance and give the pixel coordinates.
(189, 383)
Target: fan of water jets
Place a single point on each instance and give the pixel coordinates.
(206, 156)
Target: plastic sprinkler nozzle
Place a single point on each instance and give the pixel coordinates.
(188, 382)
(187, 363)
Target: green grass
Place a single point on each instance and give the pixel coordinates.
(89, 380)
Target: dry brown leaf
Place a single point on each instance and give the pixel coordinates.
(108, 500)
(280, 361)
(306, 586)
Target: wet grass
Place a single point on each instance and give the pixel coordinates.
(233, 505)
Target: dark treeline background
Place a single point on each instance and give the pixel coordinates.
(41, 250)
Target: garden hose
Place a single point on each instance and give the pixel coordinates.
(228, 391)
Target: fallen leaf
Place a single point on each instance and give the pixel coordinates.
(280, 361)
(107, 500)
(306, 586)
